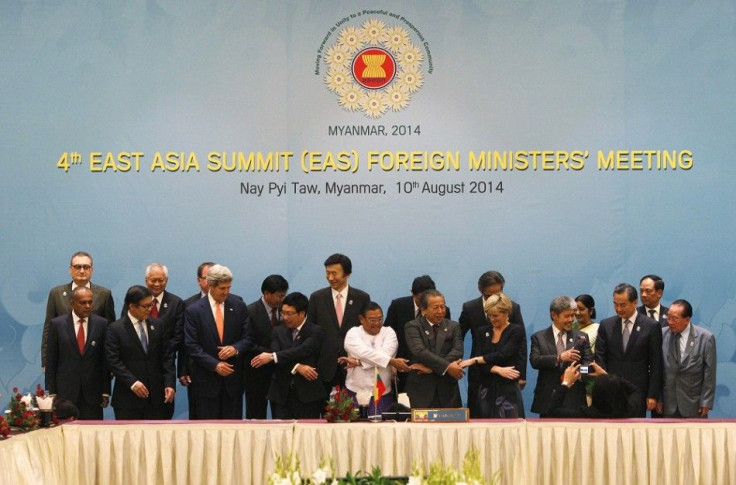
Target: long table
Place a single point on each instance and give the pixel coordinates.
(660, 452)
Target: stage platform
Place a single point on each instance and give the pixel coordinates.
(626, 452)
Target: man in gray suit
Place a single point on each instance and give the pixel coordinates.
(689, 355)
(435, 349)
(59, 302)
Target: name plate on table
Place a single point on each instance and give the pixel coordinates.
(447, 415)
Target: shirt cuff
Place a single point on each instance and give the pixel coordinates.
(293, 369)
(275, 359)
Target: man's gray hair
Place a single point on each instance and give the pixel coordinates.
(160, 266)
(218, 274)
(562, 303)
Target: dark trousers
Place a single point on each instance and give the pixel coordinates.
(221, 406)
(145, 413)
(295, 409)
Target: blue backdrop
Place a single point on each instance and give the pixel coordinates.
(513, 81)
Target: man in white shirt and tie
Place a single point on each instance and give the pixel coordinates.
(630, 346)
(651, 288)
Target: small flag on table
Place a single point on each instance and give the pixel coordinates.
(378, 388)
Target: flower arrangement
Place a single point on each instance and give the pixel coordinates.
(287, 472)
(4, 427)
(21, 415)
(341, 407)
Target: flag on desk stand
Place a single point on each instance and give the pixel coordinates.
(378, 389)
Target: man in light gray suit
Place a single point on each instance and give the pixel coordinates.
(435, 349)
(689, 355)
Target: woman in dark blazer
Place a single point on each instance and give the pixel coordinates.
(496, 352)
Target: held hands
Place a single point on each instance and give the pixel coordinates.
(401, 365)
(307, 372)
(455, 370)
(169, 393)
(224, 369)
(261, 359)
(105, 401)
(506, 372)
(348, 362)
(420, 368)
(185, 380)
(651, 404)
(226, 352)
(468, 362)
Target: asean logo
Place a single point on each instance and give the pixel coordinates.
(374, 68)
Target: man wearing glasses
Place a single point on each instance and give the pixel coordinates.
(137, 353)
(59, 302)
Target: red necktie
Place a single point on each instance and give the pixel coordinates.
(274, 320)
(80, 336)
(154, 309)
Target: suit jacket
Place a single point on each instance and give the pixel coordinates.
(399, 313)
(661, 318)
(305, 350)
(641, 363)
(322, 312)
(630, 409)
(473, 316)
(258, 379)
(202, 342)
(59, 303)
(691, 383)
(72, 375)
(543, 356)
(436, 353)
(129, 363)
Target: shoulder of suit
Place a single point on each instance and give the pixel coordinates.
(98, 289)
(356, 292)
(174, 299)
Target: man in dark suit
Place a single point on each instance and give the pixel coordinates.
(336, 309)
(216, 332)
(473, 316)
(202, 282)
(76, 369)
(689, 366)
(553, 350)
(651, 287)
(265, 315)
(403, 310)
(137, 354)
(436, 347)
(58, 304)
(168, 308)
(630, 345)
(296, 391)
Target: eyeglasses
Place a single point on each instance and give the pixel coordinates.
(82, 267)
(146, 307)
(374, 320)
(288, 314)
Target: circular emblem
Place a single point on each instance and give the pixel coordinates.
(374, 68)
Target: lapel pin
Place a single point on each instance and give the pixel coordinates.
(426, 332)
(166, 305)
(93, 343)
(350, 302)
(692, 344)
(152, 329)
(445, 329)
(638, 329)
(63, 294)
(488, 334)
(231, 308)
